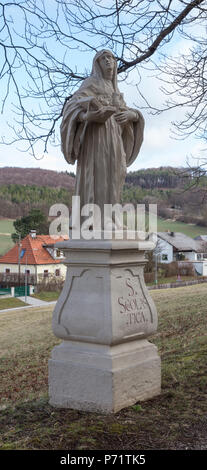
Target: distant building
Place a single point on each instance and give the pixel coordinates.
(175, 246)
(37, 256)
(201, 237)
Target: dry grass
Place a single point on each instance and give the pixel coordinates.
(177, 419)
(26, 341)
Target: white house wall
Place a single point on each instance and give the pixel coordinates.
(38, 269)
(190, 255)
(204, 269)
(164, 248)
(14, 268)
(51, 268)
(201, 268)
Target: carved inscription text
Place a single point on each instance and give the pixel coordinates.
(132, 306)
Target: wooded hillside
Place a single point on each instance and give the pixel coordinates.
(22, 189)
(163, 177)
(36, 176)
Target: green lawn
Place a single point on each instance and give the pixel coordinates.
(190, 230)
(6, 244)
(10, 302)
(176, 419)
(6, 228)
(47, 296)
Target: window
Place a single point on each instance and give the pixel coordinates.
(164, 257)
(27, 271)
(180, 256)
(7, 271)
(58, 253)
(46, 273)
(57, 272)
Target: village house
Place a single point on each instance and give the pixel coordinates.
(36, 256)
(175, 246)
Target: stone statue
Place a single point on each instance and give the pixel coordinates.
(104, 313)
(101, 133)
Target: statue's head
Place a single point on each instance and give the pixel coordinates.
(104, 65)
(107, 64)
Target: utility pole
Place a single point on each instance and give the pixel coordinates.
(19, 252)
(25, 278)
(155, 254)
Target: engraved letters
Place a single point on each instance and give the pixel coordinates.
(132, 306)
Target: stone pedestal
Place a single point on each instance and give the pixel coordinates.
(104, 315)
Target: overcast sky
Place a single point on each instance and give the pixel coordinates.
(159, 147)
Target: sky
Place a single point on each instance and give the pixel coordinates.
(159, 147)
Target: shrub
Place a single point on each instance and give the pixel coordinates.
(176, 268)
(171, 269)
(149, 277)
(186, 269)
(51, 283)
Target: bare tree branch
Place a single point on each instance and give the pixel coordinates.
(40, 50)
(164, 33)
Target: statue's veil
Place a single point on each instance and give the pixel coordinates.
(97, 72)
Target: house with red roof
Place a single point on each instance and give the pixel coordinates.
(35, 255)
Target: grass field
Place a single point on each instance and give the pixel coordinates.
(6, 228)
(6, 244)
(47, 296)
(6, 225)
(187, 229)
(177, 419)
(168, 280)
(11, 302)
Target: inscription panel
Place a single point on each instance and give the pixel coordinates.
(134, 310)
(132, 305)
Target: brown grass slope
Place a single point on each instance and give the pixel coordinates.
(177, 419)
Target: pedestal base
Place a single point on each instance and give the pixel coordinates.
(104, 315)
(102, 378)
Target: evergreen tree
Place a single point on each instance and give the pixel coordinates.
(35, 220)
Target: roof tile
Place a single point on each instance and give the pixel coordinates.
(35, 251)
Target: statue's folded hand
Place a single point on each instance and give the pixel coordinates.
(99, 116)
(125, 116)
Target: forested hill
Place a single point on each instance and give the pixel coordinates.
(163, 177)
(150, 178)
(22, 189)
(36, 176)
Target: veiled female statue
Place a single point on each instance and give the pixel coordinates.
(101, 133)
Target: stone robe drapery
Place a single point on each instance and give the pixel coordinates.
(102, 150)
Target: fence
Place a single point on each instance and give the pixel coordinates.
(17, 291)
(177, 284)
(5, 291)
(20, 291)
(13, 279)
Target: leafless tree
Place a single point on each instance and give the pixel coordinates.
(184, 82)
(41, 44)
